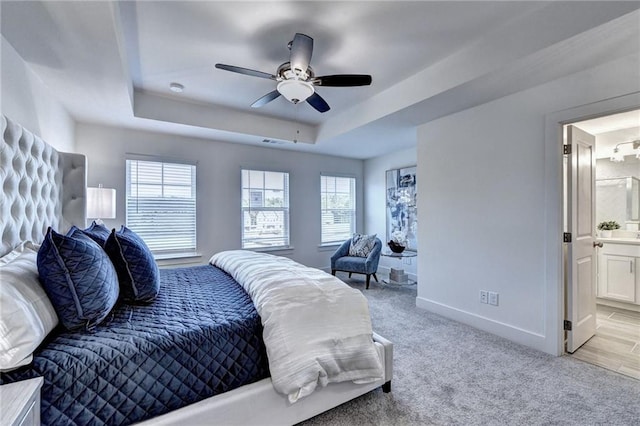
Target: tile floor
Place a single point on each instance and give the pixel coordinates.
(616, 345)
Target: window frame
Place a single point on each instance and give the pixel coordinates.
(286, 209)
(189, 249)
(354, 210)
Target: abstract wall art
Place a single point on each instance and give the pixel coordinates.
(402, 209)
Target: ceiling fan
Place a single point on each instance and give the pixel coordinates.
(296, 80)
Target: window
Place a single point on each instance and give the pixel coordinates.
(338, 200)
(161, 205)
(265, 209)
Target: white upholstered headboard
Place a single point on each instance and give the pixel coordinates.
(41, 187)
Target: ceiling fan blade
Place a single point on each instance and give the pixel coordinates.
(265, 99)
(301, 50)
(245, 71)
(343, 80)
(318, 103)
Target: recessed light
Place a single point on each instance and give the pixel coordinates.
(176, 87)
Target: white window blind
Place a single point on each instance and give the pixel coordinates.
(265, 209)
(338, 201)
(161, 205)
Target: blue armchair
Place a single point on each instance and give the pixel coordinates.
(341, 261)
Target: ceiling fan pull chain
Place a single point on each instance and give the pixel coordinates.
(295, 138)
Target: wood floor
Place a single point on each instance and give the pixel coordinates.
(616, 345)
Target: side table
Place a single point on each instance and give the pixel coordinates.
(398, 276)
(20, 403)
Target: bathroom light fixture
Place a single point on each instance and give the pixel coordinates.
(618, 156)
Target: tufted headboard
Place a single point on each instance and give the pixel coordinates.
(41, 187)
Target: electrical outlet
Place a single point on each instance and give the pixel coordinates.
(484, 297)
(493, 298)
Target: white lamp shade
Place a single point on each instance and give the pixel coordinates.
(295, 90)
(101, 203)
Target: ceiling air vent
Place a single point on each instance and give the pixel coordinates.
(271, 141)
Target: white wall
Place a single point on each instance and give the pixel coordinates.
(27, 101)
(375, 221)
(218, 183)
(488, 211)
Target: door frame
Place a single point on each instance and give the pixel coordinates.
(555, 267)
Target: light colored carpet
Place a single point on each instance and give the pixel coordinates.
(447, 373)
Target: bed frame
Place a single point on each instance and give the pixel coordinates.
(43, 187)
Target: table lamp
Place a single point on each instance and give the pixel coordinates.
(101, 203)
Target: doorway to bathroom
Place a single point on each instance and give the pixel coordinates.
(602, 227)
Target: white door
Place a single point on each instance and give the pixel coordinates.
(581, 270)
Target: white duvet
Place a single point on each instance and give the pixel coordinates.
(317, 330)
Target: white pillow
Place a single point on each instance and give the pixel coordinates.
(26, 314)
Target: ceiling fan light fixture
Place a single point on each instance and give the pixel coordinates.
(296, 79)
(295, 91)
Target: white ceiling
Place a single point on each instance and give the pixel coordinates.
(112, 62)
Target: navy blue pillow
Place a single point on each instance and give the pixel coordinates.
(78, 277)
(98, 233)
(137, 270)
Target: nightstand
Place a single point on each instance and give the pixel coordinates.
(20, 403)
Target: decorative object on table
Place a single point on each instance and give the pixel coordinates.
(398, 242)
(606, 228)
(402, 210)
(398, 275)
(342, 260)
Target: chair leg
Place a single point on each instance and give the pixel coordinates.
(368, 279)
(374, 276)
(333, 272)
(349, 274)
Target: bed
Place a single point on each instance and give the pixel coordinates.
(174, 344)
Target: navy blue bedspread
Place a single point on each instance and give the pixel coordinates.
(202, 336)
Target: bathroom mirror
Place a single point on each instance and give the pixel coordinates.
(618, 199)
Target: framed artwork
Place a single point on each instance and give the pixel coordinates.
(402, 208)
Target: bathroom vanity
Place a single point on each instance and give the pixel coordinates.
(618, 276)
(618, 199)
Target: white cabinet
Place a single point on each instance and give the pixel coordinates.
(618, 278)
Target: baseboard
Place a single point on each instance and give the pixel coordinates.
(515, 334)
